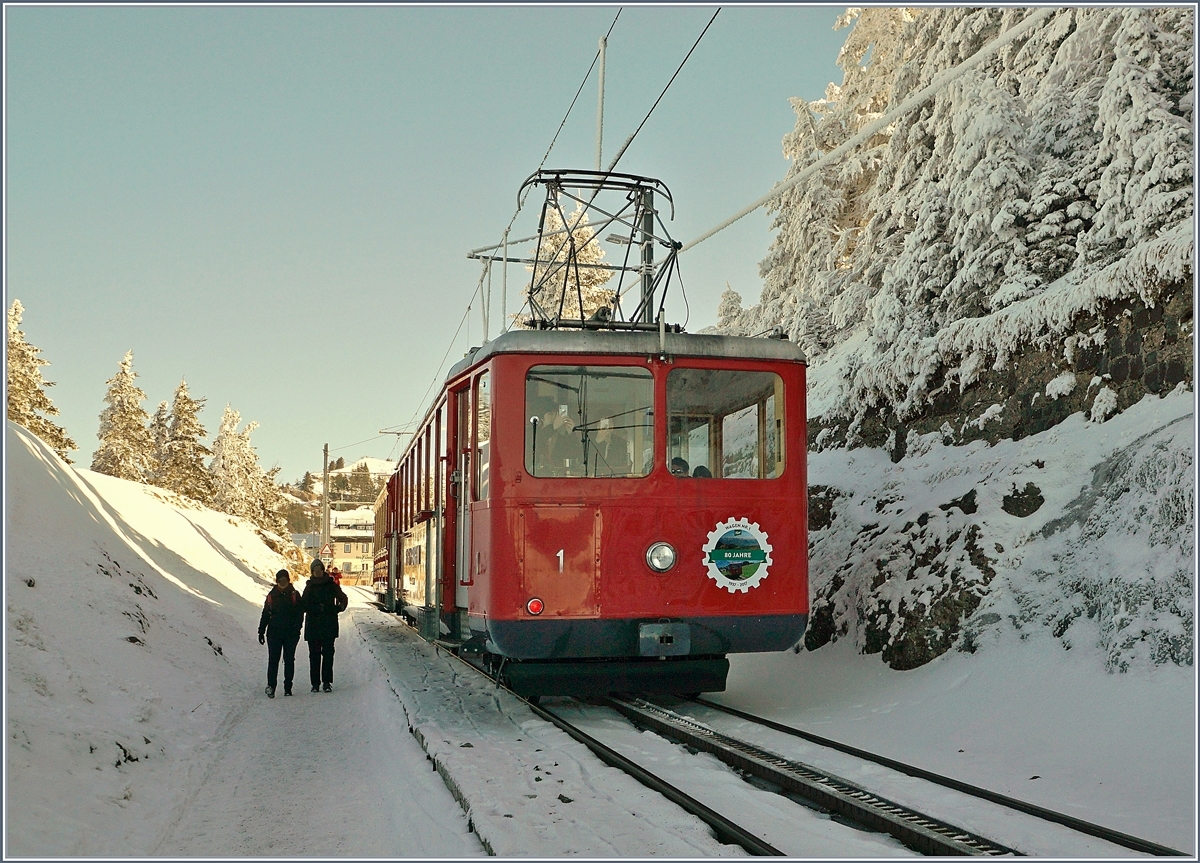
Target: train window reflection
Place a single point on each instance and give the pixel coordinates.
(724, 423)
(589, 421)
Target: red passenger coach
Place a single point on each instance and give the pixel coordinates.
(590, 511)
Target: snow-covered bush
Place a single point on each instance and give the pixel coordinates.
(1063, 385)
(1104, 405)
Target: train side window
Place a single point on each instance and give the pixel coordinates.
(725, 423)
(483, 434)
(589, 421)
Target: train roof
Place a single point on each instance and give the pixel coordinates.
(630, 343)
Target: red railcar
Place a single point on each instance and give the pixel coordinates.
(592, 511)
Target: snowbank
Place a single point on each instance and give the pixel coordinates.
(128, 614)
(1086, 530)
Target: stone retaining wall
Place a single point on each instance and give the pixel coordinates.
(1127, 347)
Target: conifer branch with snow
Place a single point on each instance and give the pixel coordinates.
(567, 284)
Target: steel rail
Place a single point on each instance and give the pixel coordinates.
(726, 830)
(916, 830)
(1099, 831)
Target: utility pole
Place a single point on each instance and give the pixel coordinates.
(325, 500)
(647, 206)
(599, 106)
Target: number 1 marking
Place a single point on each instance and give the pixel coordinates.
(560, 560)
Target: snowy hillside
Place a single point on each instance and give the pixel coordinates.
(127, 617)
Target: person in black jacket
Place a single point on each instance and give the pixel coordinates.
(323, 602)
(279, 629)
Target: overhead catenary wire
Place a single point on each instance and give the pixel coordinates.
(546, 155)
(450, 347)
(504, 237)
(940, 81)
(629, 140)
(357, 443)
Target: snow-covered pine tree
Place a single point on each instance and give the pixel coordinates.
(158, 437)
(28, 404)
(126, 450)
(556, 250)
(730, 313)
(271, 505)
(183, 469)
(233, 466)
(1054, 158)
(239, 486)
(1145, 125)
(810, 287)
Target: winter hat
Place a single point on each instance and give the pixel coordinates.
(283, 575)
(317, 568)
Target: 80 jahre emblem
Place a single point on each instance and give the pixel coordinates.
(737, 555)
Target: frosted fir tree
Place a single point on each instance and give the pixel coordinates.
(233, 466)
(158, 437)
(810, 286)
(1145, 123)
(270, 504)
(1067, 150)
(730, 313)
(28, 404)
(126, 450)
(239, 486)
(183, 468)
(565, 284)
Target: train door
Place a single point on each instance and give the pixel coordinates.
(462, 437)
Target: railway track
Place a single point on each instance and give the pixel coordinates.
(852, 802)
(914, 829)
(1134, 843)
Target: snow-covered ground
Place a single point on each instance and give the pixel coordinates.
(136, 722)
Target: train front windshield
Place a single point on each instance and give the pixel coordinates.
(597, 421)
(725, 423)
(589, 421)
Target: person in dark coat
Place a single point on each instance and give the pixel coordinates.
(279, 629)
(324, 600)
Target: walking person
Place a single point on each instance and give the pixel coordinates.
(323, 601)
(279, 629)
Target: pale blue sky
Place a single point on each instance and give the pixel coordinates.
(276, 202)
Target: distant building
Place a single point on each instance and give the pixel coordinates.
(309, 543)
(352, 541)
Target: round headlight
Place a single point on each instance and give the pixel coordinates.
(660, 557)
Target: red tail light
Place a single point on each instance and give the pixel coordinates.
(534, 606)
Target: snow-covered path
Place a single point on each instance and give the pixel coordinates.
(320, 775)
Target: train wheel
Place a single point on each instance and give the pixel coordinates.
(534, 699)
